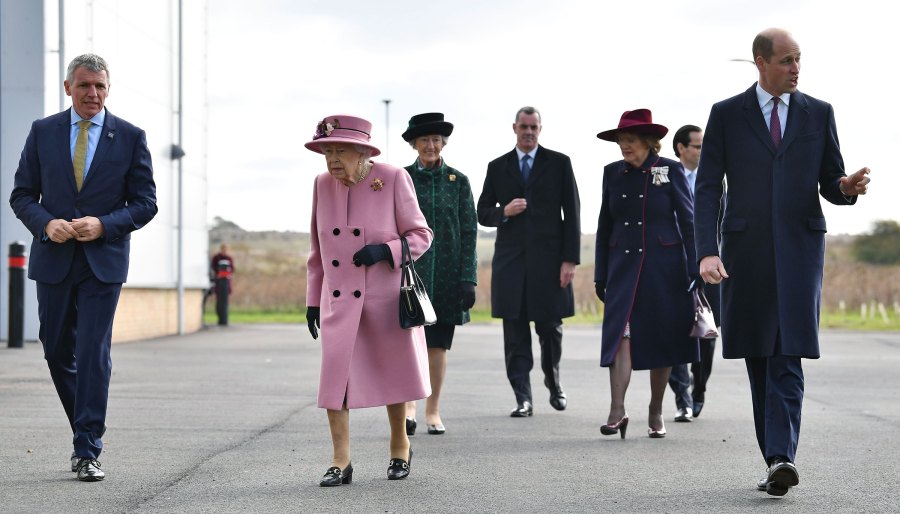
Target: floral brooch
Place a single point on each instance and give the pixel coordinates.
(452, 178)
(324, 129)
(377, 184)
(660, 175)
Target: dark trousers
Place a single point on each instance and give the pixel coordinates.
(519, 359)
(701, 370)
(776, 386)
(680, 380)
(76, 319)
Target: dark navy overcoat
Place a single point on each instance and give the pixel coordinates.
(645, 258)
(773, 228)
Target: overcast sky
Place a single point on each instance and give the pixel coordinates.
(277, 67)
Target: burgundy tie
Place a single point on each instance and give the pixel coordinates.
(775, 123)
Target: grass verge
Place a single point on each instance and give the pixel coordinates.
(832, 320)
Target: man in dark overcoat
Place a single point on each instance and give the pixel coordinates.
(778, 150)
(530, 195)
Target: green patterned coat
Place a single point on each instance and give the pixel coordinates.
(445, 198)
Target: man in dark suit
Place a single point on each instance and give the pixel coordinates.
(690, 388)
(530, 195)
(777, 148)
(84, 183)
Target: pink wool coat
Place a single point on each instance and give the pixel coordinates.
(366, 356)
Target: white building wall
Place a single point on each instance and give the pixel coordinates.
(139, 41)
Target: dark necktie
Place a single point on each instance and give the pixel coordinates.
(526, 167)
(775, 123)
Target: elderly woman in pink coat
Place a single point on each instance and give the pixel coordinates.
(361, 209)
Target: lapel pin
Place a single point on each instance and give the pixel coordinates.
(452, 178)
(110, 134)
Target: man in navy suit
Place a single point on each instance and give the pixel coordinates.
(84, 183)
(778, 150)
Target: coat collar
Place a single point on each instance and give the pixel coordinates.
(537, 168)
(798, 114)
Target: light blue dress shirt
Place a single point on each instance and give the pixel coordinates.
(93, 136)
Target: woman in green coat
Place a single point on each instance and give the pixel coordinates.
(449, 267)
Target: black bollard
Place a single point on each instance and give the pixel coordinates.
(223, 288)
(16, 294)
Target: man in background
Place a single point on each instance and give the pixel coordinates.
(687, 143)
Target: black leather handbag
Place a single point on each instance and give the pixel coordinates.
(704, 322)
(415, 307)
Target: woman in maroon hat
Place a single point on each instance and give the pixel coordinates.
(644, 267)
(449, 268)
(361, 209)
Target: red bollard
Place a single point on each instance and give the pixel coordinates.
(17, 262)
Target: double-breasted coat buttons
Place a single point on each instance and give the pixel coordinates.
(336, 293)
(356, 232)
(335, 263)
(357, 293)
(336, 231)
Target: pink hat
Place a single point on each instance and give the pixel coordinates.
(638, 120)
(342, 128)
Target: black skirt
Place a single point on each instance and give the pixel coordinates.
(439, 335)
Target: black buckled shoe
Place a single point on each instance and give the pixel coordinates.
(89, 470)
(398, 469)
(335, 476)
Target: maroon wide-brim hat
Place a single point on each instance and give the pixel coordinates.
(342, 128)
(638, 120)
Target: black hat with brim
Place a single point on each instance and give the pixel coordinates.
(427, 124)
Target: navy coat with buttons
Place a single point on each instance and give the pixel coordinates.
(645, 259)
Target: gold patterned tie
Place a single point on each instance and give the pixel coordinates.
(81, 152)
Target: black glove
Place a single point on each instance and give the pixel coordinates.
(370, 254)
(466, 295)
(600, 289)
(312, 319)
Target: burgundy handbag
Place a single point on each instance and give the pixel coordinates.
(704, 321)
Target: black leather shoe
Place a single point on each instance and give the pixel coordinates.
(335, 476)
(698, 406)
(522, 410)
(89, 470)
(398, 469)
(411, 426)
(558, 400)
(685, 415)
(782, 476)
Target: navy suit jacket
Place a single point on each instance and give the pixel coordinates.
(118, 189)
(773, 228)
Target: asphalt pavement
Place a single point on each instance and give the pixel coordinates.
(225, 420)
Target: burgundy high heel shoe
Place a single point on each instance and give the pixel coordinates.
(616, 428)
